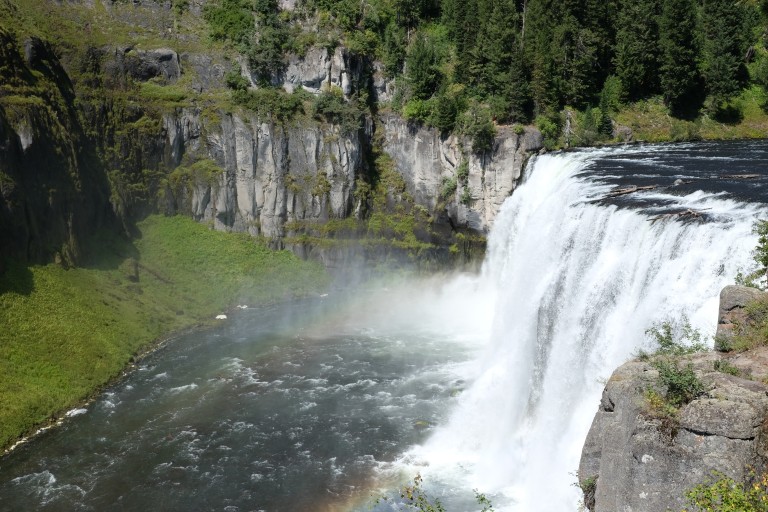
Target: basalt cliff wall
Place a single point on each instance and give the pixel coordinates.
(88, 142)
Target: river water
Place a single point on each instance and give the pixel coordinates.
(486, 381)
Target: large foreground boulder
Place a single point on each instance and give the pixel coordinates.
(635, 460)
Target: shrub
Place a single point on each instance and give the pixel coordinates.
(332, 107)
(675, 338)
(549, 126)
(681, 383)
(417, 110)
(761, 251)
(414, 497)
(753, 330)
(466, 196)
(477, 124)
(229, 21)
(723, 494)
(448, 187)
(271, 102)
(588, 487)
(724, 366)
(235, 80)
(462, 171)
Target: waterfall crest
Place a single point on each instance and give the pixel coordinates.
(576, 283)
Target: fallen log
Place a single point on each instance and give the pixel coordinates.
(628, 190)
(692, 214)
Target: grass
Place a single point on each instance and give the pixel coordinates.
(68, 332)
(650, 120)
(752, 331)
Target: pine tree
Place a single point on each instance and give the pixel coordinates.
(724, 47)
(423, 73)
(680, 79)
(636, 52)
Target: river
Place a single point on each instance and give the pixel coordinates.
(484, 382)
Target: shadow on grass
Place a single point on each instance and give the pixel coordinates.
(17, 278)
(729, 114)
(105, 250)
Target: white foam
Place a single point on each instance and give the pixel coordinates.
(575, 285)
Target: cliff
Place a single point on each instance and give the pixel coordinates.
(100, 135)
(642, 456)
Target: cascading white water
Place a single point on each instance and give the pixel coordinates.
(576, 286)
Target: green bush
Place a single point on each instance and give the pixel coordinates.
(723, 366)
(549, 126)
(269, 102)
(333, 108)
(723, 494)
(448, 187)
(418, 110)
(235, 80)
(466, 196)
(761, 251)
(675, 339)
(681, 383)
(477, 124)
(414, 497)
(752, 331)
(230, 20)
(462, 171)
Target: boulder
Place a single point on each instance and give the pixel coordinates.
(646, 464)
(161, 63)
(733, 300)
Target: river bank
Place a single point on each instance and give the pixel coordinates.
(70, 332)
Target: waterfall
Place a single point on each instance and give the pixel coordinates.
(576, 283)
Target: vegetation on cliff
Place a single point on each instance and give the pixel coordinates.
(68, 332)
(666, 69)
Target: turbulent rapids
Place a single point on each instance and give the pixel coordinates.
(486, 382)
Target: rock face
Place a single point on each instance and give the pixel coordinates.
(426, 160)
(733, 300)
(103, 159)
(52, 189)
(275, 174)
(318, 70)
(272, 174)
(646, 464)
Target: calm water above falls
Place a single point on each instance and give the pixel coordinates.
(485, 382)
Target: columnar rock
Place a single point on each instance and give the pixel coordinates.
(426, 159)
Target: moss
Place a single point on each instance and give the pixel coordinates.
(321, 186)
(202, 171)
(167, 95)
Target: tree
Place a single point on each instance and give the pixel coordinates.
(636, 54)
(724, 47)
(422, 65)
(679, 73)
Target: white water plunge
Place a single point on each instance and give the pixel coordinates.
(576, 284)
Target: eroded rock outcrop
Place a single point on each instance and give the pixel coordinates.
(426, 159)
(636, 460)
(733, 301)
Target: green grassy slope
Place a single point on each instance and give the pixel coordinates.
(65, 333)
